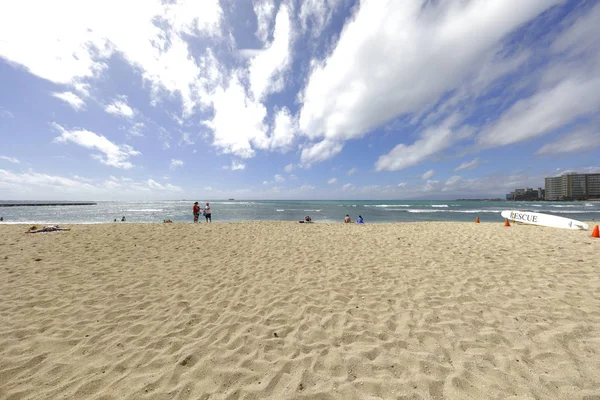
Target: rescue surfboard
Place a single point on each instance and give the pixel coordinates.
(541, 219)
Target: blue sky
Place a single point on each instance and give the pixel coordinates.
(315, 99)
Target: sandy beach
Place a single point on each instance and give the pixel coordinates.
(281, 310)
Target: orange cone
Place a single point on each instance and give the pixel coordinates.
(506, 223)
(476, 220)
(596, 233)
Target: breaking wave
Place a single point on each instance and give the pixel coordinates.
(418, 211)
(387, 205)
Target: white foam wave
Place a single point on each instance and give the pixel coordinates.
(386, 205)
(418, 211)
(562, 205)
(313, 210)
(280, 210)
(569, 212)
(236, 202)
(440, 205)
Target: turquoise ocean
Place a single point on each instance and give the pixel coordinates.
(320, 211)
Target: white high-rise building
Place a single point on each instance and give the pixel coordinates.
(572, 186)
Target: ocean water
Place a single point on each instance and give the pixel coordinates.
(320, 211)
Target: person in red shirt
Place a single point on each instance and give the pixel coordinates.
(196, 210)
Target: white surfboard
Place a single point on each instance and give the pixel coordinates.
(534, 218)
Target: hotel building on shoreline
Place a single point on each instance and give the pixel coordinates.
(572, 186)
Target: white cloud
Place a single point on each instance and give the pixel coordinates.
(289, 168)
(568, 89)
(176, 164)
(238, 121)
(208, 188)
(10, 159)
(544, 112)
(572, 143)
(267, 68)
(402, 156)
(387, 62)
(431, 186)
(237, 166)
(111, 154)
(453, 180)
(31, 178)
(19, 185)
(581, 36)
(303, 188)
(332, 181)
(186, 139)
(137, 129)
(321, 151)
(279, 179)
(72, 99)
(264, 10)
(318, 14)
(468, 165)
(284, 130)
(70, 41)
(266, 182)
(352, 171)
(402, 184)
(120, 108)
(5, 113)
(428, 175)
(370, 188)
(348, 187)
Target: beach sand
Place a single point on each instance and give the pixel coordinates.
(281, 310)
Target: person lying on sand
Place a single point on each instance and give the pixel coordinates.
(167, 221)
(50, 228)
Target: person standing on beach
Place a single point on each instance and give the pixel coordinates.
(207, 213)
(196, 210)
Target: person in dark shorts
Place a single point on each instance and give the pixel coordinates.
(207, 213)
(196, 210)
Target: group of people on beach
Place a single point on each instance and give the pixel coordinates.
(347, 219)
(359, 220)
(206, 213)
